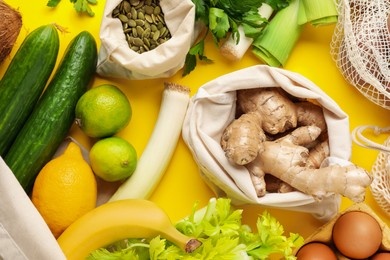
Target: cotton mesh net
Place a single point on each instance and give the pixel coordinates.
(380, 186)
(361, 47)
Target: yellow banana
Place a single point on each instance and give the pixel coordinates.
(113, 221)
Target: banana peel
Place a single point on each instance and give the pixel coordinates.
(113, 221)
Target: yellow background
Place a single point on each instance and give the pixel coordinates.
(182, 186)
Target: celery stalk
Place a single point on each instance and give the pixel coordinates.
(317, 12)
(279, 37)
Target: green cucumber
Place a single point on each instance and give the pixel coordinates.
(54, 114)
(25, 80)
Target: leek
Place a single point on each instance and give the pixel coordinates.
(279, 37)
(317, 12)
(161, 145)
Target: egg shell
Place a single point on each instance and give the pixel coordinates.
(316, 250)
(381, 256)
(357, 234)
(324, 233)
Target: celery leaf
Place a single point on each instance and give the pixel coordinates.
(218, 226)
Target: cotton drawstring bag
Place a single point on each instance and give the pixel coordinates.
(380, 186)
(117, 60)
(214, 106)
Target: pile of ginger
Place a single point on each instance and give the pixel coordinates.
(282, 142)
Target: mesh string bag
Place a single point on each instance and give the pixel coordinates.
(380, 170)
(380, 186)
(361, 47)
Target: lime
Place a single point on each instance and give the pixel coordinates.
(103, 111)
(113, 158)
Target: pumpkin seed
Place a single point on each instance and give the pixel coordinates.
(153, 27)
(123, 18)
(148, 18)
(143, 24)
(140, 31)
(141, 16)
(146, 33)
(138, 42)
(140, 22)
(126, 7)
(157, 10)
(149, 9)
(156, 35)
(134, 2)
(134, 13)
(132, 23)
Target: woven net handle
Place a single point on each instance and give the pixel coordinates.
(359, 138)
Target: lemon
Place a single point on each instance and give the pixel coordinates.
(65, 189)
(103, 111)
(113, 158)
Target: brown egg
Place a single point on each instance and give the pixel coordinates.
(381, 256)
(357, 235)
(316, 251)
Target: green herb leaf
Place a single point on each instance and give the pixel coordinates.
(201, 11)
(53, 3)
(218, 23)
(278, 4)
(81, 6)
(190, 61)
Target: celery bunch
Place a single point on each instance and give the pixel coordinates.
(223, 236)
(221, 17)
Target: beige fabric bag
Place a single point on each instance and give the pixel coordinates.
(23, 232)
(116, 59)
(212, 108)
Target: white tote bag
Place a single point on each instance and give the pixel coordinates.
(214, 106)
(24, 234)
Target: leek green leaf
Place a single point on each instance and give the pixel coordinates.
(279, 36)
(317, 13)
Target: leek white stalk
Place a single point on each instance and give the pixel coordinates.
(160, 148)
(233, 50)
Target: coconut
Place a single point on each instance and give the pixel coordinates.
(11, 23)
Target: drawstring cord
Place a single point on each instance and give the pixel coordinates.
(361, 140)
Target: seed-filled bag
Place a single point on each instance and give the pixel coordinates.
(213, 107)
(116, 59)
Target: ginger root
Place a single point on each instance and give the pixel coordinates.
(318, 154)
(277, 112)
(288, 140)
(286, 159)
(242, 139)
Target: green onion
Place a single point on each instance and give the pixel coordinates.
(317, 12)
(279, 37)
